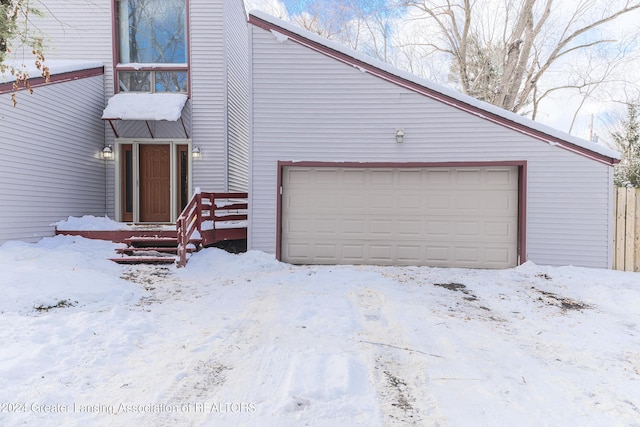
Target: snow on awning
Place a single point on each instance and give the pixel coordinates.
(145, 106)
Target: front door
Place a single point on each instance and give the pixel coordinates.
(155, 182)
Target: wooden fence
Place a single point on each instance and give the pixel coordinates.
(626, 237)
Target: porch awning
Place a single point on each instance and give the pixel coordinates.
(145, 106)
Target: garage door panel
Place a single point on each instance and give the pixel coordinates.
(438, 228)
(325, 176)
(468, 178)
(497, 256)
(500, 230)
(382, 177)
(353, 228)
(437, 255)
(295, 225)
(468, 229)
(437, 178)
(502, 177)
(409, 254)
(437, 201)
(467, 254)
(354, 177)
(410, 201)
(410, 178)
(413, 216)
(409, 227)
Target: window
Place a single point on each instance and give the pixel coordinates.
(152, 46)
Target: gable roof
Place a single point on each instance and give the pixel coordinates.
(284, 31)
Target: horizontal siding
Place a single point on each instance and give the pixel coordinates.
(237, 60)
(79, 30)
(50, 166)
(308, 107)
(82, 30)
(208, 94)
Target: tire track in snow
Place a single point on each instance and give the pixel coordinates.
(398, 371)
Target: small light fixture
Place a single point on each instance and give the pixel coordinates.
(399, 136)
(107, 152)
(195, 152)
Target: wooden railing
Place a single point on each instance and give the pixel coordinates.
(209, 218)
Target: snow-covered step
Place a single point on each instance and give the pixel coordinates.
(145, 241)
(151, 250)
(168, 250)
(144, 260)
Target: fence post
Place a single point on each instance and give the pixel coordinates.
(630, 232)
(619, 228)
(636, 260)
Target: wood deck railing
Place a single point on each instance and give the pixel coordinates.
(209, 218)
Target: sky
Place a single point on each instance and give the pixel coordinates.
(595, 116)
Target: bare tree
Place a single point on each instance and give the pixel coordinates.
(364, 25)
(502, 50)
(16, 31)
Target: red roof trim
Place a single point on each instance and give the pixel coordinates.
(35, 82)
(393, 78)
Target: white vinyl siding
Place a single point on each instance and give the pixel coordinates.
(435, 216)
(208, 94)
(77, 29)
(309, 107)
(80, 30)
(50, 166)
(237, 62)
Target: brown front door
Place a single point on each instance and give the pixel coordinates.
(155, 182)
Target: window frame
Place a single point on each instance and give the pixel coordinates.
(151, 68)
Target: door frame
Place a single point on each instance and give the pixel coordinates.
(174, 165)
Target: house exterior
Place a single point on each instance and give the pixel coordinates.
(195, 48)
(346, 160)
(50, 167)
(353, 161)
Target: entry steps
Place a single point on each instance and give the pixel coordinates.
(152, 250)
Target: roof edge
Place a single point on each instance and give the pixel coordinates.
(440, 93)
(35, 82)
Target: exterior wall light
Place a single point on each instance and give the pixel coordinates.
(195, 152)
(399, 136)
(107, 152)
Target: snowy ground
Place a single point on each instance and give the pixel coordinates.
(243, 340)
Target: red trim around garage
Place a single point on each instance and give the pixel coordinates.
(35, 82)
(431, 93)
(522, 189)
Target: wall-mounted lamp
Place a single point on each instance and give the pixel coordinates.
(399, 136)
(107, 152)
(195, 152)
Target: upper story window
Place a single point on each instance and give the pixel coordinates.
(152, 46)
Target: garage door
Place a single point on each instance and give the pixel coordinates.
(448, 217)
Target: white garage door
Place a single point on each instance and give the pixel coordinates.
(449, 217)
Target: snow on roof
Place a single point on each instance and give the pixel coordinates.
(431, 86)
(56, 66)
(145, 106)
